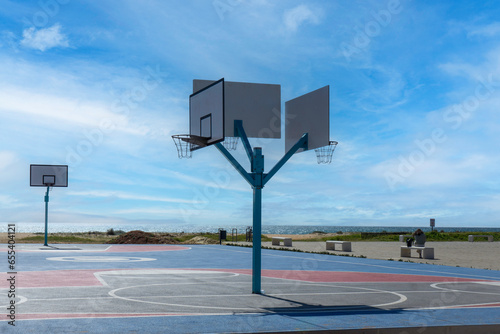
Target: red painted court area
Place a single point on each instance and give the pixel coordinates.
(347, 276)
(88, 277)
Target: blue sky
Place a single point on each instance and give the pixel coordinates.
(102, 86)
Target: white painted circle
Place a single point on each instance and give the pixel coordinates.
(114, 293)
(440, 287)
(169, 273)
(100, 259)
(21, 300)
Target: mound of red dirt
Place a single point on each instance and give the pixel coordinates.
(140, 237)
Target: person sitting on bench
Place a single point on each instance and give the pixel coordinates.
(419, 237)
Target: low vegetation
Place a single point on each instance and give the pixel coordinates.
(68, 238)
(94, 237)
(298, 250)
(431, 236)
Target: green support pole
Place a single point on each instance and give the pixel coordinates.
(46, 214)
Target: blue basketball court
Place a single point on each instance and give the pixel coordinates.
(208, 289)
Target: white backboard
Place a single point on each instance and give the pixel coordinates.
(257, 105)
(44, 175)
(206, 112)
(309, 113)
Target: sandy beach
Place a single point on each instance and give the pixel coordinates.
(480, 255)
(4, 236)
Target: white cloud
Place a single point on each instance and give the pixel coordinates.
(489, 30)
(122, 195)
(58, 108)
(7, 38)
(10, 202)
(7, 159)
(294, 17)
(44, 39)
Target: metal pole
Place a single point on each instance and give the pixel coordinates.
(257, 166)
(257, 179)
(257, 230)
(46, 214)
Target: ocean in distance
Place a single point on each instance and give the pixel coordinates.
(266, 229)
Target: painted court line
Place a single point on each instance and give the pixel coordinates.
(402, 298)
(55, 316)
(350, 276)
(88, 277)
(435, 285)
(87, 259)
(108, 249)
(420, 270)
(450, 307)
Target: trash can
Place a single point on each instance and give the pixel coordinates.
(222, 235)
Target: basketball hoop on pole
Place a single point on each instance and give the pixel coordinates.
(183, 146)
(186, 144)
(324, 154)
(48, 176)
(222, 112)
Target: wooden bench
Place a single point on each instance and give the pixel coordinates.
(346, 245)
(427, 252)
(277, 240)
(472, 236)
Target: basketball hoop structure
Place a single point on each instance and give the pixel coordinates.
(325, 153)
(48, 176)
(186, 144)
(221, 113)
(230, 143)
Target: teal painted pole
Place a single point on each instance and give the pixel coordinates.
(257, 232)
(257, 179)
(257, 170)
(46, 214)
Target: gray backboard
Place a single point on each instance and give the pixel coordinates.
(41, 174)
(309, 113)
(206, 112)
(257, 105)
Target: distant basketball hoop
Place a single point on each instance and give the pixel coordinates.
(48, 176)
(324, 154)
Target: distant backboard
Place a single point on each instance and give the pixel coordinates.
(257, 105)
(48, 175)
(309, 113)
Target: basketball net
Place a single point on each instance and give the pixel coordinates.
(230, 143)
(183, 146)
(325, 153)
